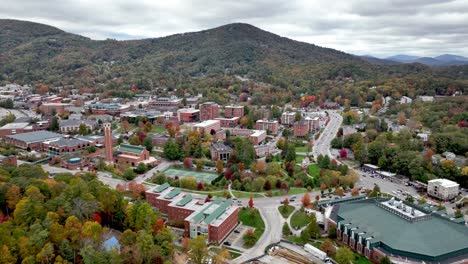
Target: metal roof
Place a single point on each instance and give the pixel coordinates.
(431, 237)
(219, 211)
(185, 200)
(161, 187)
(36, 136)
(173, 193)
(130, 148)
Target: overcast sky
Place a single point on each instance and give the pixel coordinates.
(376, 27)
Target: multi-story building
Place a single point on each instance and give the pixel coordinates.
(301, 128)
(255, 136)
(234, 111)
(73, 125)
(188, 115)
(288, 118)
(208, 126)
(113, 109)
(228, 122)
(58, 108)
(166, 103)
(209, 111)
(443, 189)
(215, 219)
(268, 125)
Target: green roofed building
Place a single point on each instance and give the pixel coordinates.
(215, 219)
(387, 227)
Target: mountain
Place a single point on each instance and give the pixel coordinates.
(441, 60)
(375, 60)
(402, 58)
(37, 53)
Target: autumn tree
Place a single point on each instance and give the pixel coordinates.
(328, 247)
(198, 249)
(188, 162)
(219, 166)
(222, 257)
(251, 202)
(344, 255)
(125, 125)
(306, 200)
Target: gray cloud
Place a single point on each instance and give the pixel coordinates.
(377, 27)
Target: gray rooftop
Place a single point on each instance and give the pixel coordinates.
(36, 136)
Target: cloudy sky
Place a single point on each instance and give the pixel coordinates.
(376, 27)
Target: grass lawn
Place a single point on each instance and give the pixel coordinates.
(200, 176)
(314, 170)
(286, 210)
(297, 191)
(158, 129)
(295, 239)
(251, 217)
(234, 254)
(299, 159)
(299, 219)
(240, 194)
(361, 260)
(301, 149)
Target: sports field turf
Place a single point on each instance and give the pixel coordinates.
(199, 175)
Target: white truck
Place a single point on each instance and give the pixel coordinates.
(316, 252)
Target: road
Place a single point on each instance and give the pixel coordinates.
(322, 144)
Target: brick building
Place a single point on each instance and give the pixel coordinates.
(32, 140)
(208, 126)
(73, 125)
(228, 122)
(49, 108)
(8, 160)
(288, 118)
(234, 111)
(215, 219)
(133, 155)
(209, 111)
(68, 145)
(268, 125)
(301, 128)
(188, 115)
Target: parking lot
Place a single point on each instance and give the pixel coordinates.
(234, 239)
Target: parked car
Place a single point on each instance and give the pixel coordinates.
(236, 231)
(227, 243)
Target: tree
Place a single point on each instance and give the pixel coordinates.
(344, 256)
(249, 238)
(147, 127)
(458, 213)
(306, 200)
(385, 260)
(222, 257)
(54, 125)
(129, 174)
(260, 166)
(198, 249)
(148, 143)
(188, 162)
(286, 230)
(219, 166)
(171, 150)
(355, 192)
(328, 247)
(343, 153)
(251, 202)
(13, 196)
(6, 257)
(125, 125)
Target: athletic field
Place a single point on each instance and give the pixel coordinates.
(199, 175)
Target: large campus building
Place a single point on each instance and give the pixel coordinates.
(402, 231)
(442, 189)
(215, 219)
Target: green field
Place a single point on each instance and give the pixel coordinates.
(300, 219)
(158, 129)
(285, 211)
(314, 170)
(199, 175)
(301, 149)
(240, 194)
(251, 217)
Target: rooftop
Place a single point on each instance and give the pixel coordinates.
(432, 237)
(64, 142)
(207, 123)
(15, 126)
(444, 183)
(131, 148)
(36, 136)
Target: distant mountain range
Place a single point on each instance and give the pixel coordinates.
(442, 60)
(41, 54)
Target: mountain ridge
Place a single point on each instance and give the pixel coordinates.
(440, 60)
